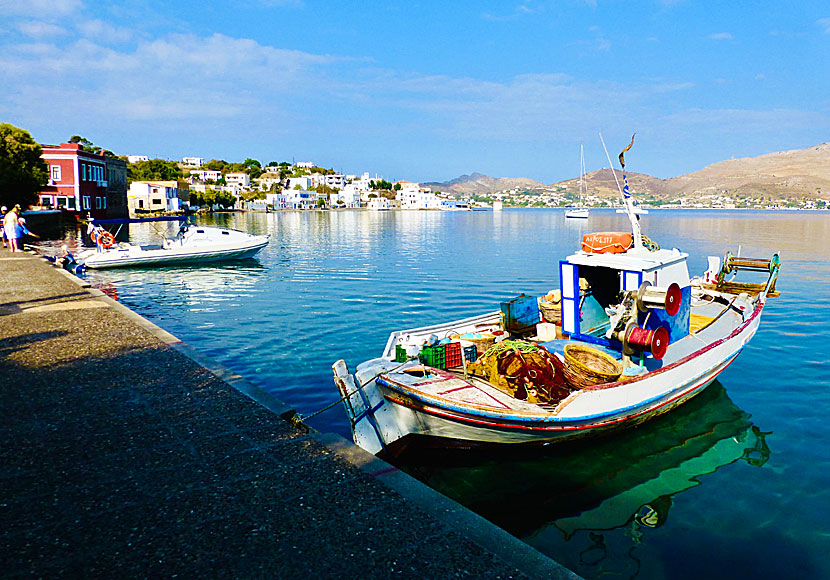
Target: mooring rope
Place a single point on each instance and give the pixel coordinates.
(300, 418)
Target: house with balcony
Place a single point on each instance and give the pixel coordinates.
(301, 199)
(154, 196)
(77, 180)
(238, 180)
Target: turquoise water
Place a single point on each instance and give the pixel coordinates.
(736, 484)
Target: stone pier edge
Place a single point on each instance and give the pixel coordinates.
(483, 532)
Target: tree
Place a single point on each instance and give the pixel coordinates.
(87, 145)
(154, 170)
(23, 173)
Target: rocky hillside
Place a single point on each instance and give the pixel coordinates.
(481, 184)
(798, 174)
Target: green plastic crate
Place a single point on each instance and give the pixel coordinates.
(400, 353)
(433, 356)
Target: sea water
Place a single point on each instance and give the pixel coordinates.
(735, 484)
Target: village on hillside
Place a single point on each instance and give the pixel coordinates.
(87, 180)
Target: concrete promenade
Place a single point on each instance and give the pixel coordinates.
(125, 454)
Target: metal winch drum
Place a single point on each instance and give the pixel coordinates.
(655, 341)
(650, 297)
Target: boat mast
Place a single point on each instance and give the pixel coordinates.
(581, 174)
(635, 223)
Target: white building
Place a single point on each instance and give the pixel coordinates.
(301, 199)
(349, 196)
(304, 164)
(153, 196)
(378, 204)
(241, 180)
(137, 158)
(206, 175)
(193, 161)
(413, 196)
(276, 200)
(303, 182)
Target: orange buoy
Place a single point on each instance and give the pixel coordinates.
(607, 242)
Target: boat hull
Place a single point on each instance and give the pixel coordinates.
(384, 408)
(167, 257)
(577, 214)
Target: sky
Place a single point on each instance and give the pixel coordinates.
(423, 90)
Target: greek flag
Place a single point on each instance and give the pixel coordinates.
(626, 192)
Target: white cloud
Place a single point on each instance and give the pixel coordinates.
(48, 9)
(104, 32)
(40, 30)
(720, 36)
(825, 24)
(181, 77)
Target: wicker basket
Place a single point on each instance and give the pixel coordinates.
(585, 366)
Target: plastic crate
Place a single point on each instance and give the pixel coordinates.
(452, 354)
(470, 353)
(400, 353)
(433, 356)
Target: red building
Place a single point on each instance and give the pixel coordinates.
(77, 180)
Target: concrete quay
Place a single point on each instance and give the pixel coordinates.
(126, 454)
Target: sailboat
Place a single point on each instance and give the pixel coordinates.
(581, 211)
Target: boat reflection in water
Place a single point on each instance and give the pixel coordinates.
(579, 493)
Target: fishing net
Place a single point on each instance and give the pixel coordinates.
(523, 370)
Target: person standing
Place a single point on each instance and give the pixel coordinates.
(11, 227)
(3, 211)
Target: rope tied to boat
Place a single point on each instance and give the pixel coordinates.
(299, 419)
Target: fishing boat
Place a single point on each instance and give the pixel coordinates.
(580, 212)
(627, 336)
(193, 244)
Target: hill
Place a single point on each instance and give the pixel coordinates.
(478, 184)
(798, 175)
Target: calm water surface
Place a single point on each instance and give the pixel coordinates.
(734, 485)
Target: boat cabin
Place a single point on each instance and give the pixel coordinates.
(593, 286)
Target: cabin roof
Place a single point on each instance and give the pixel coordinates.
(632, 260)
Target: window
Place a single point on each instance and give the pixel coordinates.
(97, 203)
(56, 172)
(87, 202)
(103, 203)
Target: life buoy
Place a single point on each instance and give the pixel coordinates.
(607, 242)
(93, 235)
(106, 239)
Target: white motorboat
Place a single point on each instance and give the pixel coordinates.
(193, 244)
(630, 337)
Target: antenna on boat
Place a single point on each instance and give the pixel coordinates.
(635, 224)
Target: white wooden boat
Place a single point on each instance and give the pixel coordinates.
(193, 244)
(671, 335)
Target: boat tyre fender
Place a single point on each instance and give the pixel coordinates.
(106, 239)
